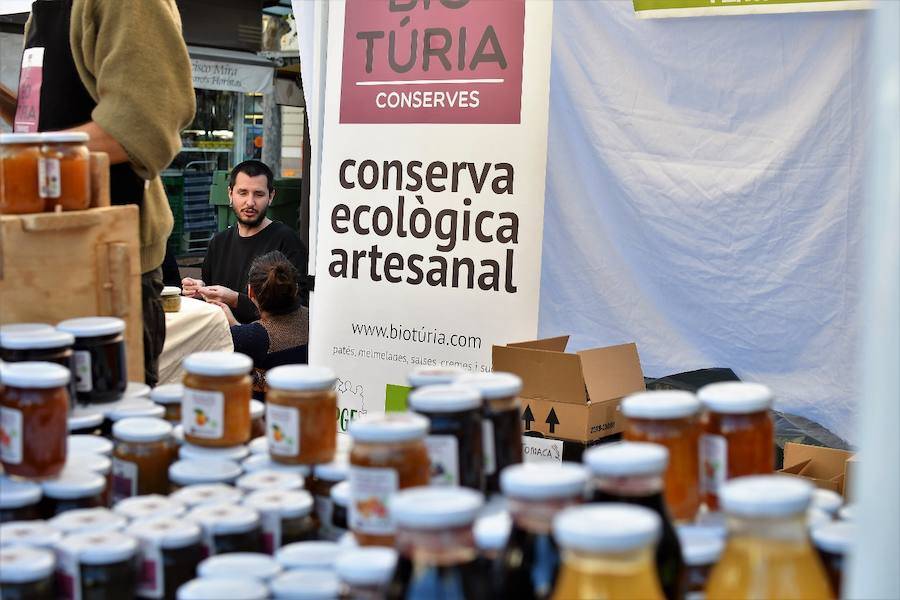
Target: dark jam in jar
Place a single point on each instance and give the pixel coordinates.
(101, 372)
(100, 564)
(26, 573)
(73, 489)
(18, 500)
(46, 345)
(228, 528)
(169, 554)
(286, 517)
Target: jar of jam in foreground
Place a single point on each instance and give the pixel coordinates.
(37, 534)
(388, 455)
(303, 556)
(149, 506)
(98, 565)
(215, 408)
(72, 489)
(88, 520)
(65, 171)
(738, 437)
(144, 451)
(832, 540)
(34, 402)
(454, 434)
(502, 434)
(26, 573)
(42, 345)
(169, 553)
(252, 565)
(18, 500)
(325, 478)
(422, 376)
(203, 470)
(207, 493)
(286, 517)
(228, 528)
(169, 397)
(300, 409)
(20, 184)
(101, 370)
(366, 572)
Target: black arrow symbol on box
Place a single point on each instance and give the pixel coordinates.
(552, 420)
(528, 417)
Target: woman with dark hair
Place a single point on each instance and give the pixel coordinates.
(281, 334)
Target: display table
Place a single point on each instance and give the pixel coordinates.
(197, 327)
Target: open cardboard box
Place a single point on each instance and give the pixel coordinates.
(571, 396)
(824, 467)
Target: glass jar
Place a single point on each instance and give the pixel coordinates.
(501, 422)
(252, 565)
(300, 409)
(215, 408)
(168, 555)
(64, 171)
(232, 453)
(286, 517)
(832, 540)
(203, 470)
(536, 493)
(308, 556)
(100, 565)
(20, 184)
(96, 463)
(89, 444)
(207, 493)
(149, 506)
(42, 345)
(37, 534)
(436, 548)
(131, 408)
(366, 573)
(227, 528)
(670, 418)
(19, 500)
(267, 479)
(454, 434)
(257, 419)
(422, 376)
(701, 548)
(216, 589)
(340, 501)
(73, 488)
(607, 552)
(88, 520)
(26, 573)
(171, 299)
(169, 397)
(144, 451)
(325, 478)
(738, 436)
(768, 553)
(101, 368)
(389, 454)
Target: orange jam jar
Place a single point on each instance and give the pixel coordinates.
(300, 408)
(169, 397)
(64, 171)
(19, 156)
(215, 407)
(144, 451)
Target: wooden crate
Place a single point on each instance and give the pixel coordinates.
(56, 266)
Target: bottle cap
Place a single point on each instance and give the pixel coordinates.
(492, 385)
(765, 496)
(389, 427)
(735, 397)
(300, 378)
(308, 555)
(261, 567)
(663, 404)
(608, 527)
(20, 564)
(541, 481)
(623, 459)
(429, 507)
(444, 399)
(422, 376)
(218, 364)
(372, 566)
(88, 327)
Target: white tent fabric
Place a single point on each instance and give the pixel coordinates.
(704, 185)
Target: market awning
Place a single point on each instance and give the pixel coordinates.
(230, 70)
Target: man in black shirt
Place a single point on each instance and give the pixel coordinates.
(251, 189)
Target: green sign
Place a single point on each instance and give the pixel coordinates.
(649, 9)
(395, 398)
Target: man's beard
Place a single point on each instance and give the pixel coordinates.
(260, 215)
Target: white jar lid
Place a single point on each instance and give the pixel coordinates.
(347, 541)
(85, 418)
(428, 507)
(492, 531)
(218, 364)
(235, 588)
(256, 565)
(827, 500)
(166, 531)
(137, 389)
(735, 397)
(234, 453)
(259, 462)
(389, 427)
(73, 483)
(170, 290)
(35, 375)
(98, 463)
(422, 376)
(203, 470)
(815, 517)
(16, 493)
(36, 340)
(257, 410)
(847, 512)
(258, 445)
(20, 564)
(288, 504)
(169, 393)
(540, 481)
(340, 494)
(300, 378)
(89, 444)
(834, 537)
(88, 520)
(225, 519)
(371, 566)
(150, 505)
(312, 584)
(492, 385)
(663, 404)
(308, 555)
(178, 433)
(609, 527)
(444, 399)
(99, 547)
(336, 470)
(29, 533)
(88, 327)
(624, 459)
(765, 496)
(700, 546)
(207, 493)
(142, 429)
(21, 138)
(136, 407)
(67, 137)
(269, 479)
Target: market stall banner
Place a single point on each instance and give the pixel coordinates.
(231, 77)
(655, 9)
(431, 206)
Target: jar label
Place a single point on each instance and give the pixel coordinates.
(713, 462)
(370, 493)
(202, 413)
(150, 571)
(271, 530)
(49, 181)
(124, 479)
(283, 429)
(83, 380)
(68, 576)
(443, 451)
(487, 437)
(10, 435)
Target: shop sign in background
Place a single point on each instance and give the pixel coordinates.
(231, 77)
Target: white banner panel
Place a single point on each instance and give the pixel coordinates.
(231, 77)
(432, 197)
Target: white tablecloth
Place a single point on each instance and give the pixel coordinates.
(197, 327)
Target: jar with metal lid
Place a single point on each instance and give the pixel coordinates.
(85, 421)
(701, 548)
(26, 573)
(99, 565)
(738, 437)
(19, 500)
(305, 556)
(501, 422)
(233, 453)
(340, 501)
(20, 191)
(268, 479)
(34, 401)
(149, 506)
(96, 463)
(73, 488)
(228, 528)
(388, 455)
(169, 397)
(366, 573)
(454, 435)
(832, 540)
(42, 345)
(144, 451)
(89, 444)
(64, 171)
(207, 493)
(168, 555)
(253, 565)
(101, 369)
(300, 409)
(257, 419)
(422, 376)
(217, 589)
(38, 534)
(171, 299)
(203, 470)
(325, 477)
(87, 520)
(215, 408)
(286, 517)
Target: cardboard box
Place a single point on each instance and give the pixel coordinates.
(571, 396)
(824, 467)
(537, 448)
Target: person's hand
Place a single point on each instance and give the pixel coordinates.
(190, 287)
(227, 310)
(220, 293)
